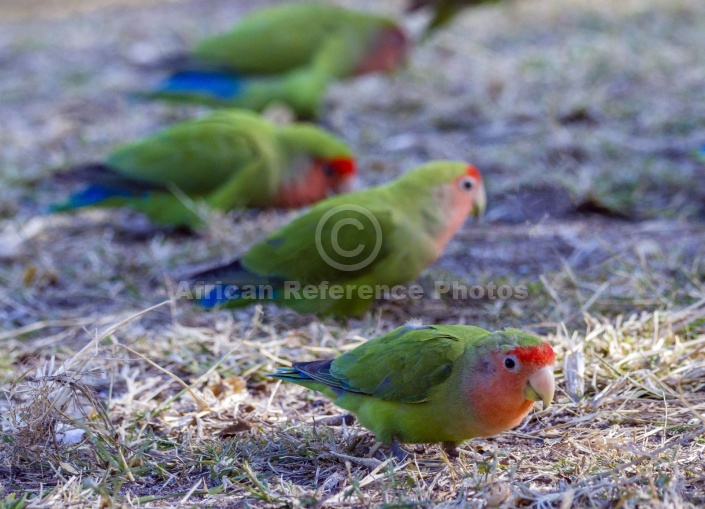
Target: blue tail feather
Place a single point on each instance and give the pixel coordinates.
(218, 84)
(291, 375)
(93, 195)
(220, 294)
(223, 294)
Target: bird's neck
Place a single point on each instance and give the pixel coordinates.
(438, 215)
(498, 402)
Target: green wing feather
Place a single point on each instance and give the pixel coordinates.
(280, 39)
(404, 365)
(200, 155)
(293, 252)
(303, 88)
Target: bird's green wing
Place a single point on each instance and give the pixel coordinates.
(251, 186)
(301, 89)
(340, 239)
(197, 156)
(404, 365)
(273, 40)
(304, 87)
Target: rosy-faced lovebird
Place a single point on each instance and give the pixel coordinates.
(229, 159)
(288, 53)
(350, 249)
(435, 383)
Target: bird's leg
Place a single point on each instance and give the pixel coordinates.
(337, 420)
(451, 449)
(398, 451)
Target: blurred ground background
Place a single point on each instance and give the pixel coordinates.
(582, 116)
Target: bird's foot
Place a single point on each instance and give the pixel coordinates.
(337, 420)
(398, 451)
(451, 449)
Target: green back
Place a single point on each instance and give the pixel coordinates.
(285, 37)
(408, 364)
(292, 253)
(198, 156)
(403, 365)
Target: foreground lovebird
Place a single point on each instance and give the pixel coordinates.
(344, 252)
(435, 383)
(229, 159)
(288, 53)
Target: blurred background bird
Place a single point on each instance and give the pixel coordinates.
(285, 54)
(229, 159)
(442, 11)
(382, 236)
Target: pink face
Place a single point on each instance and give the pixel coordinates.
(510, 384)
(388, 53)
(467, 194)
(322, 178)
(464, 196)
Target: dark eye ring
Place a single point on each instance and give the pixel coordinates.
(510, 363)
(467, 184)
(328, 170)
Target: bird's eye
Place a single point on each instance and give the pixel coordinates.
(466, 184)
(328, 170)
(510, 363)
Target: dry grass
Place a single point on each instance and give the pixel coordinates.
(150, 424)
(586, 104)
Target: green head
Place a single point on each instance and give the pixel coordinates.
(459, 185)
(518, 365)
(310, 139)
(315, 163)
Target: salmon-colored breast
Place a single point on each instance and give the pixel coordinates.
(500, 406)
(499, 411)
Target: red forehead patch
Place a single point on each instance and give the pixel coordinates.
(542, 355)
(343, 166)
(471, 171)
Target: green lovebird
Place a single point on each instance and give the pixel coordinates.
(229, 159)
(288, 53)
(435, 383)
(350, 249)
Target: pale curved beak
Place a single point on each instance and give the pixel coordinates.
(480, 203)
(347, 185)
(541, 386)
